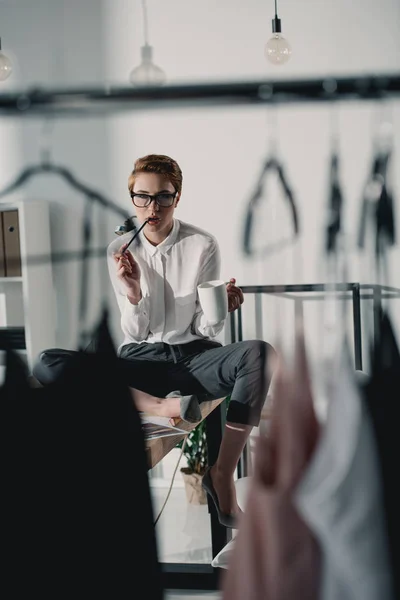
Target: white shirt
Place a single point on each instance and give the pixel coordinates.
(169, 310)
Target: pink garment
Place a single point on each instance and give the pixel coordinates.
(275, 556)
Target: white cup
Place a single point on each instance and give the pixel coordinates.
(213, 299)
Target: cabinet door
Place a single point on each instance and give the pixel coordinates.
(12, 248)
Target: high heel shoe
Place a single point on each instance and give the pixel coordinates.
(190, 407)
(207, 484)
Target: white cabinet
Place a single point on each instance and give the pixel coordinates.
(27, 300)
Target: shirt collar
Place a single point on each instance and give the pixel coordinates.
(165, 245)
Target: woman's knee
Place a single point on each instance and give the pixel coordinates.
(259, 352)
(50, 364)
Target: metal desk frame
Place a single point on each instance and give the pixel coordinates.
(354, 291)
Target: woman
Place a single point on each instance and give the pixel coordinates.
(165, 330)
(168, 352)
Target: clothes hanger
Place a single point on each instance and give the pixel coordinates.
(282, 263)
(334, 337)
(42, 168)
(271, 165)
(334, 263)
(91, 196)
(378, 198)
(46, 166)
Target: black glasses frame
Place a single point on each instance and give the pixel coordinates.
(155, 198)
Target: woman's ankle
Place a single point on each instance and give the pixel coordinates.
(221, 472)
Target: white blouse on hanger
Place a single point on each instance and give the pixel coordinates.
(340, 498)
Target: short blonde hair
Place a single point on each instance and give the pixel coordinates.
(160, 164)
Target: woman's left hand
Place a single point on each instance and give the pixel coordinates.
(235, 295)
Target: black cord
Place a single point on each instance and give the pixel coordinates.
(145, 23)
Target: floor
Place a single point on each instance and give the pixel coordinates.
(189, 595)
(183, 530)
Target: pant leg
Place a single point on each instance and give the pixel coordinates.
(240, 370)
(51, 363)
(144, 368)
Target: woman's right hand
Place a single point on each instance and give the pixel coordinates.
(128, 271)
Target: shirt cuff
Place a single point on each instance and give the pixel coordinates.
(136, 309)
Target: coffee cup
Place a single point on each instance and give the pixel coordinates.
(213, 299)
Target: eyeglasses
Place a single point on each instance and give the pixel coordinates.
(163, 200)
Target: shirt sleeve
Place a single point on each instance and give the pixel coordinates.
(209, 270)
(135, 318)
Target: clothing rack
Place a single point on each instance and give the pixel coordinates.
(112, 100)
(40, 102)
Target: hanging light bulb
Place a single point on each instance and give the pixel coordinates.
(147, 73)
(277, 49)
(5, 66)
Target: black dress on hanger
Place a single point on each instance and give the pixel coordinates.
(77, 515)
(381, 394)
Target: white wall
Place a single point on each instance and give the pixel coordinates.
(219, 149)
(54, 43)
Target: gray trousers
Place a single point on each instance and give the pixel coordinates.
(203, 367)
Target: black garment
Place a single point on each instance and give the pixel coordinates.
(77, 515)
(202, 367)
(382, 395)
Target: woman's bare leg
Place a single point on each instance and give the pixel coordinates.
(158, 407)
(222, 472)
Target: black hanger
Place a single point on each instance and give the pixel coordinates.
(46, 167)
(272, 164)
(91, 196)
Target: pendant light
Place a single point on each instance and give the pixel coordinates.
(147, 73)
(277, 49)
(5, 66)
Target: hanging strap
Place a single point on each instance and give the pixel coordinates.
(333, 326)
(86, 240)
(335, 206)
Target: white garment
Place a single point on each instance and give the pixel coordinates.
(169, 310)
(340, 498)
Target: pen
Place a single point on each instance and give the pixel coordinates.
(135, 235)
